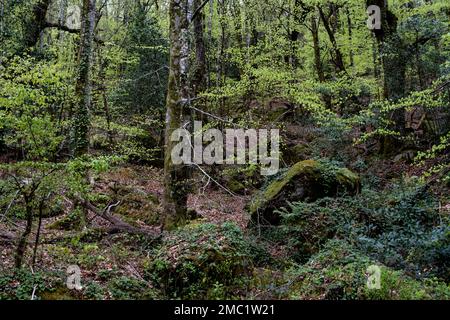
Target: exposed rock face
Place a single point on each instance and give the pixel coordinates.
(306, 181)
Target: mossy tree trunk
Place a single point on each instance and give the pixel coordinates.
(83, 89)
(175, 198)
(390, 50)
(316, 44)
(393, 64)
(37, 23)
(338, 59)
(199, 77)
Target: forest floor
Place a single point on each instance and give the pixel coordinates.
(139, 190)
(116, 266)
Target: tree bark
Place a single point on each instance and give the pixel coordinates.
(316, 45)
(23, 241)
(199, 77)
(175, 197)
(337, 59)
(350, 36)
(393, 64)
(83, 89)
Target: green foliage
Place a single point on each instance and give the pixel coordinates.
(401, 228)
(143, 53)
(340, 272)
(31, 94)
(202, 261)
(124, 288)
(21, 284)
(93, 291)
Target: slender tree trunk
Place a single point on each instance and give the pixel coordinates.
(175, 197)
(221, 51)
(38, 232)
(199, 78)
(210, 44)
(104, 94)
(2, 15)
(337, 59)
(83, 87)
(316, 45)
(23, 241)
(350, 36)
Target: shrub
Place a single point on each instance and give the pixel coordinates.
(339, 272)
(125, 288)
(400, 228)
(202, 261)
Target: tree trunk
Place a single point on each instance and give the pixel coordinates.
(199, 77)
(393, 64)
(350, 36)
(2, 15)
(23, 241)
(337, 59)
(175, 197)
(83, 88)
(37, 23)
(316, 45)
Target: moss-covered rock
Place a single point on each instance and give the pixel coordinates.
(306, 181)
(295, 152)
(138, 205)
(241, 180)
(202, 261)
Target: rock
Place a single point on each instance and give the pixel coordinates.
(296, 152)
(242, 180)
(306, 181)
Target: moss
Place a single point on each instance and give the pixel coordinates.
(136, 205)
(346, 177)
(61, 293)
(201, 261)
(308, 167)
(236, 186)
(306, 180)
(295, 153)
(242, 179)
(72, 221)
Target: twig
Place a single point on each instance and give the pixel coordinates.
(9, 206)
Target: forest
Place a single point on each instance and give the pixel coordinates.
(224, 150)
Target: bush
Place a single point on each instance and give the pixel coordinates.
(202, 261)
(400, 228)
(20, 284)
(339, 272)
(125, 288)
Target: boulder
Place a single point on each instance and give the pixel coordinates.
(307, 180)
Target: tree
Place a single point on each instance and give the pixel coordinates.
(199, 73)
(175, 197)
(83, 89)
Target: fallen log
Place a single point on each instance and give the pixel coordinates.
(118, 225)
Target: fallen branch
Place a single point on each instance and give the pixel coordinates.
(118, 225)
(69, 30)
